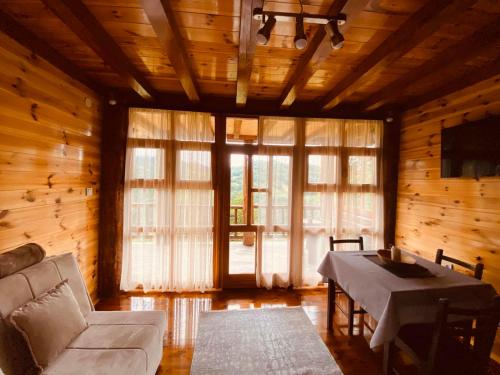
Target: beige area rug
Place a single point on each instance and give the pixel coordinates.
(263, 341)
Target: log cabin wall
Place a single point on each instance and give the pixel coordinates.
(49, 154)
(459, 215)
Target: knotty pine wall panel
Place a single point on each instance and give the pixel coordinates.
(459, 215)
(50, 139)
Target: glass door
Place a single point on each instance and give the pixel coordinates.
(258, 235)
(242, 235)
(258, 191)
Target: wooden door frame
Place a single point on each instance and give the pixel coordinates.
(223, 201)
(219, 202)
(237, 280)
(222, 226)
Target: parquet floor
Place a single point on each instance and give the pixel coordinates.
(351, 353)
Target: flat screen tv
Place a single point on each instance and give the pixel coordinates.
(471, 149)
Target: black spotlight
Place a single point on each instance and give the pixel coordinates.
(300, 39)
(336, 38)
(265, 31)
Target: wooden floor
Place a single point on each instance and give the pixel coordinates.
(352, 353)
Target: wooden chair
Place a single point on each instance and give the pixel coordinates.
(477, 268)
(334, 289)
(446, 347)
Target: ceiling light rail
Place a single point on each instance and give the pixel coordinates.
(259, 14)
(269, 19)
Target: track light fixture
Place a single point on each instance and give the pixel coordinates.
(336, 38)
(269, 18)
(264, 32)
(300, 39)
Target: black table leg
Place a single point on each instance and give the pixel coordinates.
(388, 357)
(331, 304)
(350, 316)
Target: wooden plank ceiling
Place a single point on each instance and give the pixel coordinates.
(396, 53)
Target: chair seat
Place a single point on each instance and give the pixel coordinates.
(452, 357)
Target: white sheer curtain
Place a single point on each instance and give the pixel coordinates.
(168, 203)
(343, 194)
(272, 176)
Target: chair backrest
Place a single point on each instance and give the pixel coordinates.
(475, 329)
(477, 268)
(333, 242)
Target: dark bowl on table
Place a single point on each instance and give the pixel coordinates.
(406, 263)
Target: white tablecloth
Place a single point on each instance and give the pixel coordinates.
(395, 301)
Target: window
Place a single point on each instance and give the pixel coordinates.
(342, 191)
(362, 170)
(238, 189)
(320, 177)
(242, 130)
(194, 166)
(322, 169)
(169, 200)
(278, 131)
(147, 163)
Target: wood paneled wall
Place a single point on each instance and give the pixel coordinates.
(49, 154)
(459, 215)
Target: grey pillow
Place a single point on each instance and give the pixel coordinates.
(49, 323)
(20, 258)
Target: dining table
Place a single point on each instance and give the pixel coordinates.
(395, 300)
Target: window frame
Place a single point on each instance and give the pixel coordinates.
(170, 147)
(343, 153)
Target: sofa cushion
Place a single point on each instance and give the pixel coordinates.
(42, 277)
(99, 361)
(20, 258)
(49, 323)
(67, 267)
(154, 318)
(117, 336)
(15, 357)
(15, 291)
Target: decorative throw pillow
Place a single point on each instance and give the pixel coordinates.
(20, 258)
(49, 323)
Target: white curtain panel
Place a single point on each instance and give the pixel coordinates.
(272, 172)
(343, 192)
(168, 202)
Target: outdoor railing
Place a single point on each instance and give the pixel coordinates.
(280, 213)
(313, 216)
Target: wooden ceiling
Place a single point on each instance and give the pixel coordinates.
(397, 54)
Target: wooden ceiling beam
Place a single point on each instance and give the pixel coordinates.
(246, 48)
(255, 107)
(415, 30)
(467, 79)
(449, 60)
(83, 23)
(162, 18)
(41, 48)
(318, 50)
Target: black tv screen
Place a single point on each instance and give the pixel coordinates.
(471, 149)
